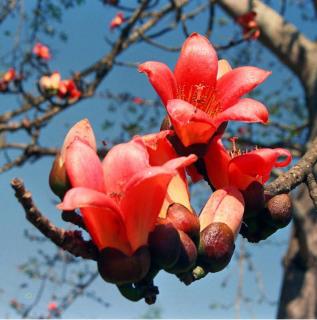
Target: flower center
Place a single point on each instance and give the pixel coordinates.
(202, 97)
(235, 150)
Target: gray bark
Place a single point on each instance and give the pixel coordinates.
(298, 297)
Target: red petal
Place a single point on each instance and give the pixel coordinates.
(246, 110)
(196, 67)
(159, 148)
(256, 166)
(238, 82)
(224, 205)
(161, 78)
(122, 162)
(84, 197)
(142, 202)
(101, 216)
(216, 162)
(84, 167)
(83, 131)
(191, 124)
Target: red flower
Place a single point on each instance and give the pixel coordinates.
(138, 100)
(67, 88)
(52, 306)
(120, 198)
(241, 169)
(200, 95)
(248, 23)
(117, 21)
(6, 78)
(41, 51)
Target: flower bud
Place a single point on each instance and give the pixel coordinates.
(164, 244)
(184, 220)
(279, 209)
(116, 267)
(216, 247)
(187, 256)
(58, 179)
(255, 229)
(253, 198)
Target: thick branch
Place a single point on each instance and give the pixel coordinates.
(296, 175)
(70, 241)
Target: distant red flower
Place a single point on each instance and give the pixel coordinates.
(203, 92)
(249, 24)
(138, 100)
(117, 21)
(6, 78)
(67, 88)
(41, 51)
(52, 306)
(50, 83)
(241, 169)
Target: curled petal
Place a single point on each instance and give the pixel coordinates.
(122, 162)
(226, 206)
(161, 78)
(216, 162)
(196, 66)
(83, 166)
(191, 124)
(256, 166)
(238, 82)
(246, 110)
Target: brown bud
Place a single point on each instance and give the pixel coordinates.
(216, 246)
(184, 220)
(116, 267)
(187, 257)
(58, 179)
(164, 244)
(279, 208)
(258, 228)
(253, 198)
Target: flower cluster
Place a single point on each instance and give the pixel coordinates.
(41, 51)
(249, 25)
(135, 203)
(54, 85)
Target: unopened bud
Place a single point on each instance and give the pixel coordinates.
(253, 198)
(58, 179)
(184, 220)
(116, 267)
(187, 256)
(216, 246)
(164, 244)
(279, 209)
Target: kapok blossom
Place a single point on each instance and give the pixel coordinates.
(203, 92)
(249, 24)
(117, 21)
(52, 306)
(6, 78)
(68, 89)
(239, 169)
(50, 83)
(120, 198)
(53, 84)
(41, 51)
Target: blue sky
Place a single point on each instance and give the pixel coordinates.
(87, 26)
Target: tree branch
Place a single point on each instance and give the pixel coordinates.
(71, 241)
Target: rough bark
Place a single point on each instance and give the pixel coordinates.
(298, 298)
